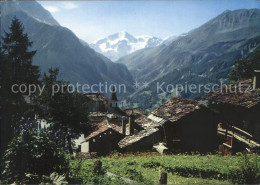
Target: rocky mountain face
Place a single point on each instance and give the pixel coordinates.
(168, 40)
(204, 55)
(122, 43)
(57, 46)
(32, 9)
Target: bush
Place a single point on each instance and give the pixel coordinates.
(248, 173)
(134, 175)
(84, 174)
(32, 154)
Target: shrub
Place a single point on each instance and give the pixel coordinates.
(84, 174)
(32, 154)
(134, 175)
(151, 164)
(248, 173)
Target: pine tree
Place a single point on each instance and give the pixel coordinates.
(16, 46)
(16, 68)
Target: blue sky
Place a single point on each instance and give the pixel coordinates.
(92, 20)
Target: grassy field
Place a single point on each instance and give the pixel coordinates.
(181, 169)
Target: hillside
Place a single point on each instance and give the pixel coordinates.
(204, 55)
(57, 46)
(221, 35)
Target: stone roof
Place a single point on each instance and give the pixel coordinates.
(102, 127)
(135, 111)
(114, 127)
(129, 140)
(118, 111)
(96, 96)
(149, 127)
(146, 123)
(238, 94)
(159, 121)
(97, 117)
(176, 108)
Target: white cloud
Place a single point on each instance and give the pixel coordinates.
(69, 5)
(59, 6)
(52, 8)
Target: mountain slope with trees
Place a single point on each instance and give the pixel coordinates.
(203, 46)
(203, 56)
(59, 47)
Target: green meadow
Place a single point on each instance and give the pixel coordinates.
(181, 169)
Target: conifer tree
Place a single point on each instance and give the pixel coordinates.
(16, 46)
(16, 68)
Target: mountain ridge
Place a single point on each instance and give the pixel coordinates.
(32, 9)
(58, 46)
(180, 52)
(205, 55)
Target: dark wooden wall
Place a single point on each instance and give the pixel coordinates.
(105, 144)
(196, 131)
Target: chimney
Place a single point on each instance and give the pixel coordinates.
(131, 124)
(256, 80)
(123, 127)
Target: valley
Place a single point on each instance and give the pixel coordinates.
(203, 55)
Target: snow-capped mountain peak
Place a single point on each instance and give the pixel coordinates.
(122, 43)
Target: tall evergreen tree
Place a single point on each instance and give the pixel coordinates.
(16, 68)
(16, 46)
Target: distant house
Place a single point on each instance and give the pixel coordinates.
(113, 104)
(104, 140)
(238, 105)
(144, 139)
(109, 129)
(97, 102)
(180, 125)
(81, 145)
(187, 125)
(107, 133)
(106, 119)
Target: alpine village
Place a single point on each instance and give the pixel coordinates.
(72, 137)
